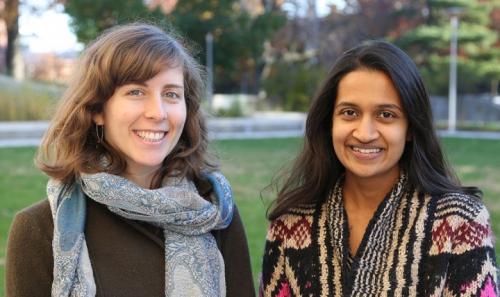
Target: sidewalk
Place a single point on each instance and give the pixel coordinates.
(470, 134)
(21, 134)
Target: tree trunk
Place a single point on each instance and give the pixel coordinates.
(11, 16)
(12, 34)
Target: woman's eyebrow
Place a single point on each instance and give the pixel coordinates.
(166, 86)
(380, 106)
(345, 104)
(173, 86)
(390, 106)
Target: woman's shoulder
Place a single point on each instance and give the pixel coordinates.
(41, 207)
(38, 212)
(461, 207)
(28, 262)
(35, 218)
(461, 223)
(31, 230)
(294, 227)
(300, 212)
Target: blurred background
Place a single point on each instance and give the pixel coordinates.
(264, 61)
(262, 55)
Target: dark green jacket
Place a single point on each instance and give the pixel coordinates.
(127, 257)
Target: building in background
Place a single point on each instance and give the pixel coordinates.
(50, 67)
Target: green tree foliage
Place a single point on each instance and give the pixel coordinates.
(308, 45)
(238, 39)
(478, 46)
(90, 18)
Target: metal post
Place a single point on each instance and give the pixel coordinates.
(209, 39)
(452, 91)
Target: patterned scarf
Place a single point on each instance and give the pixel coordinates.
(193, 263)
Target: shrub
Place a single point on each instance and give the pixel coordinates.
(291, 85)
(26, 100)
(235, 110)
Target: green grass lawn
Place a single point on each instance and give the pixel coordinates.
(249, 165)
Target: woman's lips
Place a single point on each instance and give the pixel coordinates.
(366, 153)
(151, 136)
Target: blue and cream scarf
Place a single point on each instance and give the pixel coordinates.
(193, 263)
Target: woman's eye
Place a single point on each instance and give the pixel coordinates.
(171, 95)
(135, 93)
(386, 115)
(348, 113)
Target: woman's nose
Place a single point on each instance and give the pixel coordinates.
(366, 130)
(155, 108)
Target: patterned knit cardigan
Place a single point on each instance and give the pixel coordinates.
(415, 245)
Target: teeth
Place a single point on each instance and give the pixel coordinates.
(150, 135)
(366, 151)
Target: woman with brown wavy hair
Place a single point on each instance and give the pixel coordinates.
(135, 207)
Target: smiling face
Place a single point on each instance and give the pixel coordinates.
(369, 129)
(144, 122)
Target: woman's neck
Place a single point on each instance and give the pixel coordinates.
(367, 193)
(142, 179)
(140, 175)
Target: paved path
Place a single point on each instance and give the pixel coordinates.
(267, 125)
(470, 134)
(19, 134)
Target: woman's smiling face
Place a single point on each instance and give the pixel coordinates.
(370, 128)
(144, 122)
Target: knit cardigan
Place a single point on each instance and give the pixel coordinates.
(415, 245)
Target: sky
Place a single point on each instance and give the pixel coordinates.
(50, 31)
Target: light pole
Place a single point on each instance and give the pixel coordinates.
(452, 90)
(209, 40)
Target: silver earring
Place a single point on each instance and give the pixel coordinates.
(99, 130)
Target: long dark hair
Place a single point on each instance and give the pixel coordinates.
(317, 168)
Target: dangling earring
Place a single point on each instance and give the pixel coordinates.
(99, 131)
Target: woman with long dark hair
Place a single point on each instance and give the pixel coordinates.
(370, 206)
(135, 205)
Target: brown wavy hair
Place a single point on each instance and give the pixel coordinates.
(124, 54)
